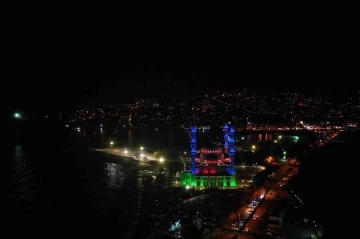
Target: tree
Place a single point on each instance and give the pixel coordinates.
(160, 179)
(190, 231)
(148, 179)
(156, 154)
(164, 236)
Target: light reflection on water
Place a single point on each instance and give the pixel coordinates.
(103, 178)
(114, 178)
(175, 139)
(262, 137)
(23, 178)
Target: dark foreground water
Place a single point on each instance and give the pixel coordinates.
(59, 187)
(62, 195)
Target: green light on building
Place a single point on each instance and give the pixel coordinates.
(204, 181)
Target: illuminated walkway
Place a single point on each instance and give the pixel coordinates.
(127, 152)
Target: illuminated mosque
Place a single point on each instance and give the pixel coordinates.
(211, 167)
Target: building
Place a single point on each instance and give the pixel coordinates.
(277, 214)
(211, 167)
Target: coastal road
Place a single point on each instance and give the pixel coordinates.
(258, 223)
(243, 210)
(275, 191)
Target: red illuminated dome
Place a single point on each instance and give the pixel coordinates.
(211, 156)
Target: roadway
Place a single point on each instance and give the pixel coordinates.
(244, 209)
(274, 191)
(258, 222)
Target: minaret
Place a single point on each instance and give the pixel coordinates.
(232, 148)
(193, 149)
(226, 144)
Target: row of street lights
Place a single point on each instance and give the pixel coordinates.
(161, 159)
(112, 144)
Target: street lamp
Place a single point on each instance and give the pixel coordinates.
(161, 160)
(111, 143)
(125, 151)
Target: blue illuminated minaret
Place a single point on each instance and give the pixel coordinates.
(232, 148)
(193, 149)
(226, 136)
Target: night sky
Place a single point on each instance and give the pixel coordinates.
(57, 71)
(64, 85)
(56, 61)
